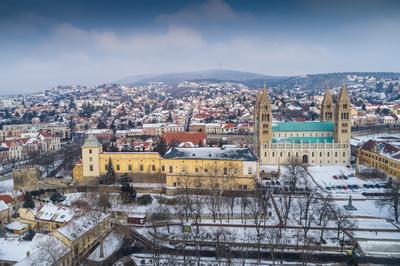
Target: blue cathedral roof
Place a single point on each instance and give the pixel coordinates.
(303, 140)
(303, 126)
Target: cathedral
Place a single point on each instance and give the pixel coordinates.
(315, 142)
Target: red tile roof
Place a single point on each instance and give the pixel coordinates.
(7, 198)
(178, 137)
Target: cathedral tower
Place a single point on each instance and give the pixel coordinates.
(327, 107)
(262, 120)
(342, 132)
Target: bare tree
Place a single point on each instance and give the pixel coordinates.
(324, 213)
(296, 173)
(244, 204)
(47, 251)
(344, 222)
(392, 200)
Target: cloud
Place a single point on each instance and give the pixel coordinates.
(71, 54)
(214, 10)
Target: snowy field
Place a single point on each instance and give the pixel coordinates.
(367, 208)
(388, 137)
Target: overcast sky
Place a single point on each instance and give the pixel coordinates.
(50, 43)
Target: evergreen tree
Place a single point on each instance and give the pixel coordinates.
(109, 177)
(169, 118)
(161, 147)
(28, 203)
(128, 193)
(220, 143)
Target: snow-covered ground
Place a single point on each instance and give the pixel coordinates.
(147, 260)
(366, 208)
(112, 242)
(6, 185)
(393, 138)
(13, 249)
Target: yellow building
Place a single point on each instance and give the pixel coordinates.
(230, 168)
(83, 233)
(380, 155)
(210, 168)
(47, 217)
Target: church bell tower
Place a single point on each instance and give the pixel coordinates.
(262, 120)
(342, 132)
(327, 107)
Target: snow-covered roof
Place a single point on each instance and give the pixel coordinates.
(79, 226)
(41, 256)
(51, 212)
(209, 153)
(16, 225)
(3, 206)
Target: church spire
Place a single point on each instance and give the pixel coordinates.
(327, 107)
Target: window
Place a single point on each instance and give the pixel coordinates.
(249, 170)
(90, 159)
(90, 151)
(153, 168)
(105, 167)
(171, 169)
(205, 170)
(196, 170)
(273, 154)
(129, 167)
(141, 168)
(225, 171)
(174, 184)
(244, 186)
(163, 168)
(118, 168)
(91, 168)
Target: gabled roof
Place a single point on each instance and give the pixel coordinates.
(91, 141)
(193, 137)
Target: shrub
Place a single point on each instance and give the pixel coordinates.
(144, 200)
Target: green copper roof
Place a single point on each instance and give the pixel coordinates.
(303, 140)
(303, 126)
(91, 141)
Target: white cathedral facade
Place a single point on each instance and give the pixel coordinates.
(315, 143)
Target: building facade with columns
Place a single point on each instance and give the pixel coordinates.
(316, 142)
